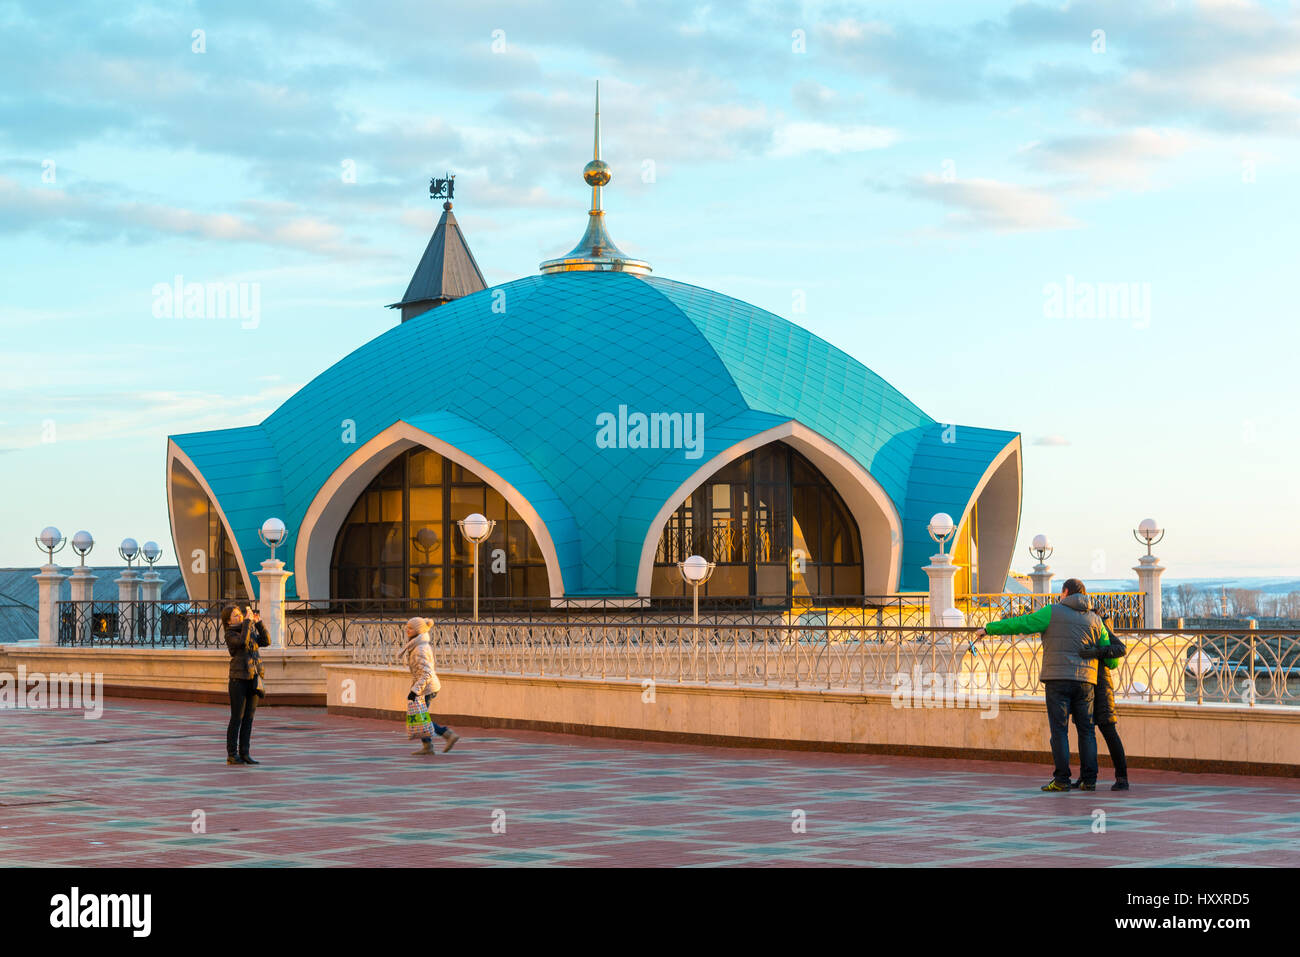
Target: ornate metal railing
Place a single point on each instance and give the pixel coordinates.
(141, 624)
(1124, 609)
(343, 623)
(1206, 668)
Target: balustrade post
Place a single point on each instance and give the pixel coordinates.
(941, 572)
(49, 585)
(1253, 691)
(150, 596)
(127, 585)
(1040, 577)
(270, 599)
(1149, 571)
(82, 588)
(1200, 669)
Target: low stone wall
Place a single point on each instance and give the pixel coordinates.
(294, 676)
(1205, 738)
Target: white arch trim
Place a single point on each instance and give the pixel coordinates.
(314, 549)
(183, 550)
(877, 517)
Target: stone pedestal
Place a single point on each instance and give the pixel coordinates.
(150, 617)
(1149, 571)
(270, 599)
(127, 601)
(82, 586)
(49, 584)
(1041, 577)
(941, 572)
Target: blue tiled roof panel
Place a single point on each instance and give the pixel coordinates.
(517, 375)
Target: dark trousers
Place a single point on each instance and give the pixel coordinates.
(243, 702)
(438, 729)
(1116, 748)
(1066, 700)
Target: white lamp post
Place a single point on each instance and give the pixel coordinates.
(696, 570)
(1149, 571)
(83, 588)
(941, 572)
(127, 584)
(476, 528)
(1041, 575)
(271, 582)
(49, 585)
(50, 541)
(151, 588)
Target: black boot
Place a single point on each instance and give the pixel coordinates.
(245, 759)
(231, 759)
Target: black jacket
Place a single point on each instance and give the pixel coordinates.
(1103, 702)
(241, 650)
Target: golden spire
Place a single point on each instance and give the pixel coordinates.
(596, 252)
(596, 173)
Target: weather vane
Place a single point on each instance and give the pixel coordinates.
(442, 188)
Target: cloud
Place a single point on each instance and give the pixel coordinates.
(1051, 440)
(87, 215)
(78, 416)
(796, 139)
(1220, 65)
(1116, 160)
(1226, 65)
(977, 204)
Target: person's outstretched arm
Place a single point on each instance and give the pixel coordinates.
(1031, 624)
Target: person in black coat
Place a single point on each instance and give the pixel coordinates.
(1104, 715)
(244, 635)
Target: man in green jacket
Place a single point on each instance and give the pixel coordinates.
(1069, 627)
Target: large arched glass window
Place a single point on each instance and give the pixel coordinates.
(401, 539)
(775, 527)
(224, 578)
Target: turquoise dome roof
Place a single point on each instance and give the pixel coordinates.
(551, 353)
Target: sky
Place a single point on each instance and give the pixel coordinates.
(1071, 220)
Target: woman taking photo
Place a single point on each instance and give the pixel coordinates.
(245, 633)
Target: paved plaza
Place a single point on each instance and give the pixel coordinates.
(341, 791)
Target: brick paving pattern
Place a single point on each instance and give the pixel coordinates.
(339, 791)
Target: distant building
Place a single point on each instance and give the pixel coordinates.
(613, 423)
(18, 596)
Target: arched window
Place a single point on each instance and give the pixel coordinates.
(224, 578)
(401, 539)
(775, 527)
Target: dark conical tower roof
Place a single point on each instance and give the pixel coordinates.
(447, 270)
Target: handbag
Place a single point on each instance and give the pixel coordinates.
(418, 722)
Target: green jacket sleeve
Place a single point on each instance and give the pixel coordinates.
(1111, 663)
(1031, 624)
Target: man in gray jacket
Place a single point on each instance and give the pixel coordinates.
(1070, 631)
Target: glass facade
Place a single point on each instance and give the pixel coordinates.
(401, 539)
(966, 555)
(774, 526)
(224, 579)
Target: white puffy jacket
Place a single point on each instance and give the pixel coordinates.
(419, 658)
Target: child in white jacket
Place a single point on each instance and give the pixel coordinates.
(419, 658)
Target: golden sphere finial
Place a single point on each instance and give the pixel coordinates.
(596, 173)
